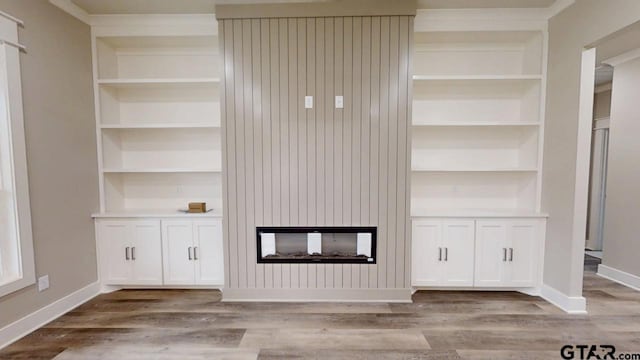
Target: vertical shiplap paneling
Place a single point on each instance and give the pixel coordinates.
(287, 165)
(245, 199)
(366, 149)
(392, 195)
(402, 216)
(374, 165)
(276, 150)
(407, 159)
(266, 150)
(226, 56)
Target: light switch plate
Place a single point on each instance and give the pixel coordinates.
(339, 102)
(43, 283)
(308, 102)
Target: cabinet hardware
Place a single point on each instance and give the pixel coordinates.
(439, 254)
(504, 254)
(133, 253)
(195, 253)
(510, 254)
(126, 253)
(446, 254)
(189, 251)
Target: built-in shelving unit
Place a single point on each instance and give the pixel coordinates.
(477, 128)
(158, 123)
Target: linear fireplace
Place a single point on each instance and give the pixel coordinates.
(342, 245)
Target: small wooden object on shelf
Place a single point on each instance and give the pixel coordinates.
(197, 207)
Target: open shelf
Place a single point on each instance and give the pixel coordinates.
(473, 78)
(160, 170)
(172, 103)
(165, 192)
(161, 126)
(474, 149)
(481, 101)
(478, 53)
(157, 150)
(158, 82)
(503, 191)
(157, 57)
(477, 124)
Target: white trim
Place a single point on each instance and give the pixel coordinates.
(318, 295)
(619, 276)
(12, 18)
(623, 58)
(73, 9)
(481, 20)
(558, 6)
(570, 304)
(33, 321)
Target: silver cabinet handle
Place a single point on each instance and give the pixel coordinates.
(195, 253)
(133, 253)
(510, 254)
(446, 254)
(504, 254)
(126, 253)
(439, 254)
(189, 251)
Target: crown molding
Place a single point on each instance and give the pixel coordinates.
(533, 19)
(623, 58)
(558, 6)
(73, 9)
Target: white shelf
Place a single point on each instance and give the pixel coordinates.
(161, 126)
(503, 170)
(159, 213)
(478, 213)
(159, 170)
(157, 82)
(476, 77)
(478, 124)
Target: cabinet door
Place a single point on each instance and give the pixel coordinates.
(425, 260)
(146, 252)
(114, 239)
(458, 252)
(491, 253)
(523, 253)
(209, 259)
(177, 247)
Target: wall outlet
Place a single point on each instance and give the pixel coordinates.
(339, 102)
(43, 283)
(308, 102)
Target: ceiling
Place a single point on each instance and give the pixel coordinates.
(93, 7)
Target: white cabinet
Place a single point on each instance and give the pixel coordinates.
(161, 252)
(193, 252)
(443, 253)
(132, 252)
(508, 253)
(484, 253)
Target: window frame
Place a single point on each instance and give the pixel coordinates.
(12, 93)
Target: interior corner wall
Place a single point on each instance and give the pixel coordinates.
(580, 25)
(621, 228)
(59, 118)
(285, 165)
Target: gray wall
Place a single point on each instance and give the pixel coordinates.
(581, 24)
(621, 227)
(285, 165)
(60, 137)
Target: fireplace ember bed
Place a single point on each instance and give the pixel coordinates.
(333, 245)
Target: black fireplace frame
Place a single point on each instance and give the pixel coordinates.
(321, 229)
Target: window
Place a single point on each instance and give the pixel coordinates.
(16, 245)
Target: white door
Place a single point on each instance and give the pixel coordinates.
(458, 252)
(426, 259)
(114, 238)
(523, 253)
(178, 252)
(491, 253)
(208, 252)
(146, 252)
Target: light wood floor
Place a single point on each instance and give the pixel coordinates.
(181, 324)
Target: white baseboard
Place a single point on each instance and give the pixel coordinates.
(42, 316)
(570, 304)
(619, 276)
(318, 295)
